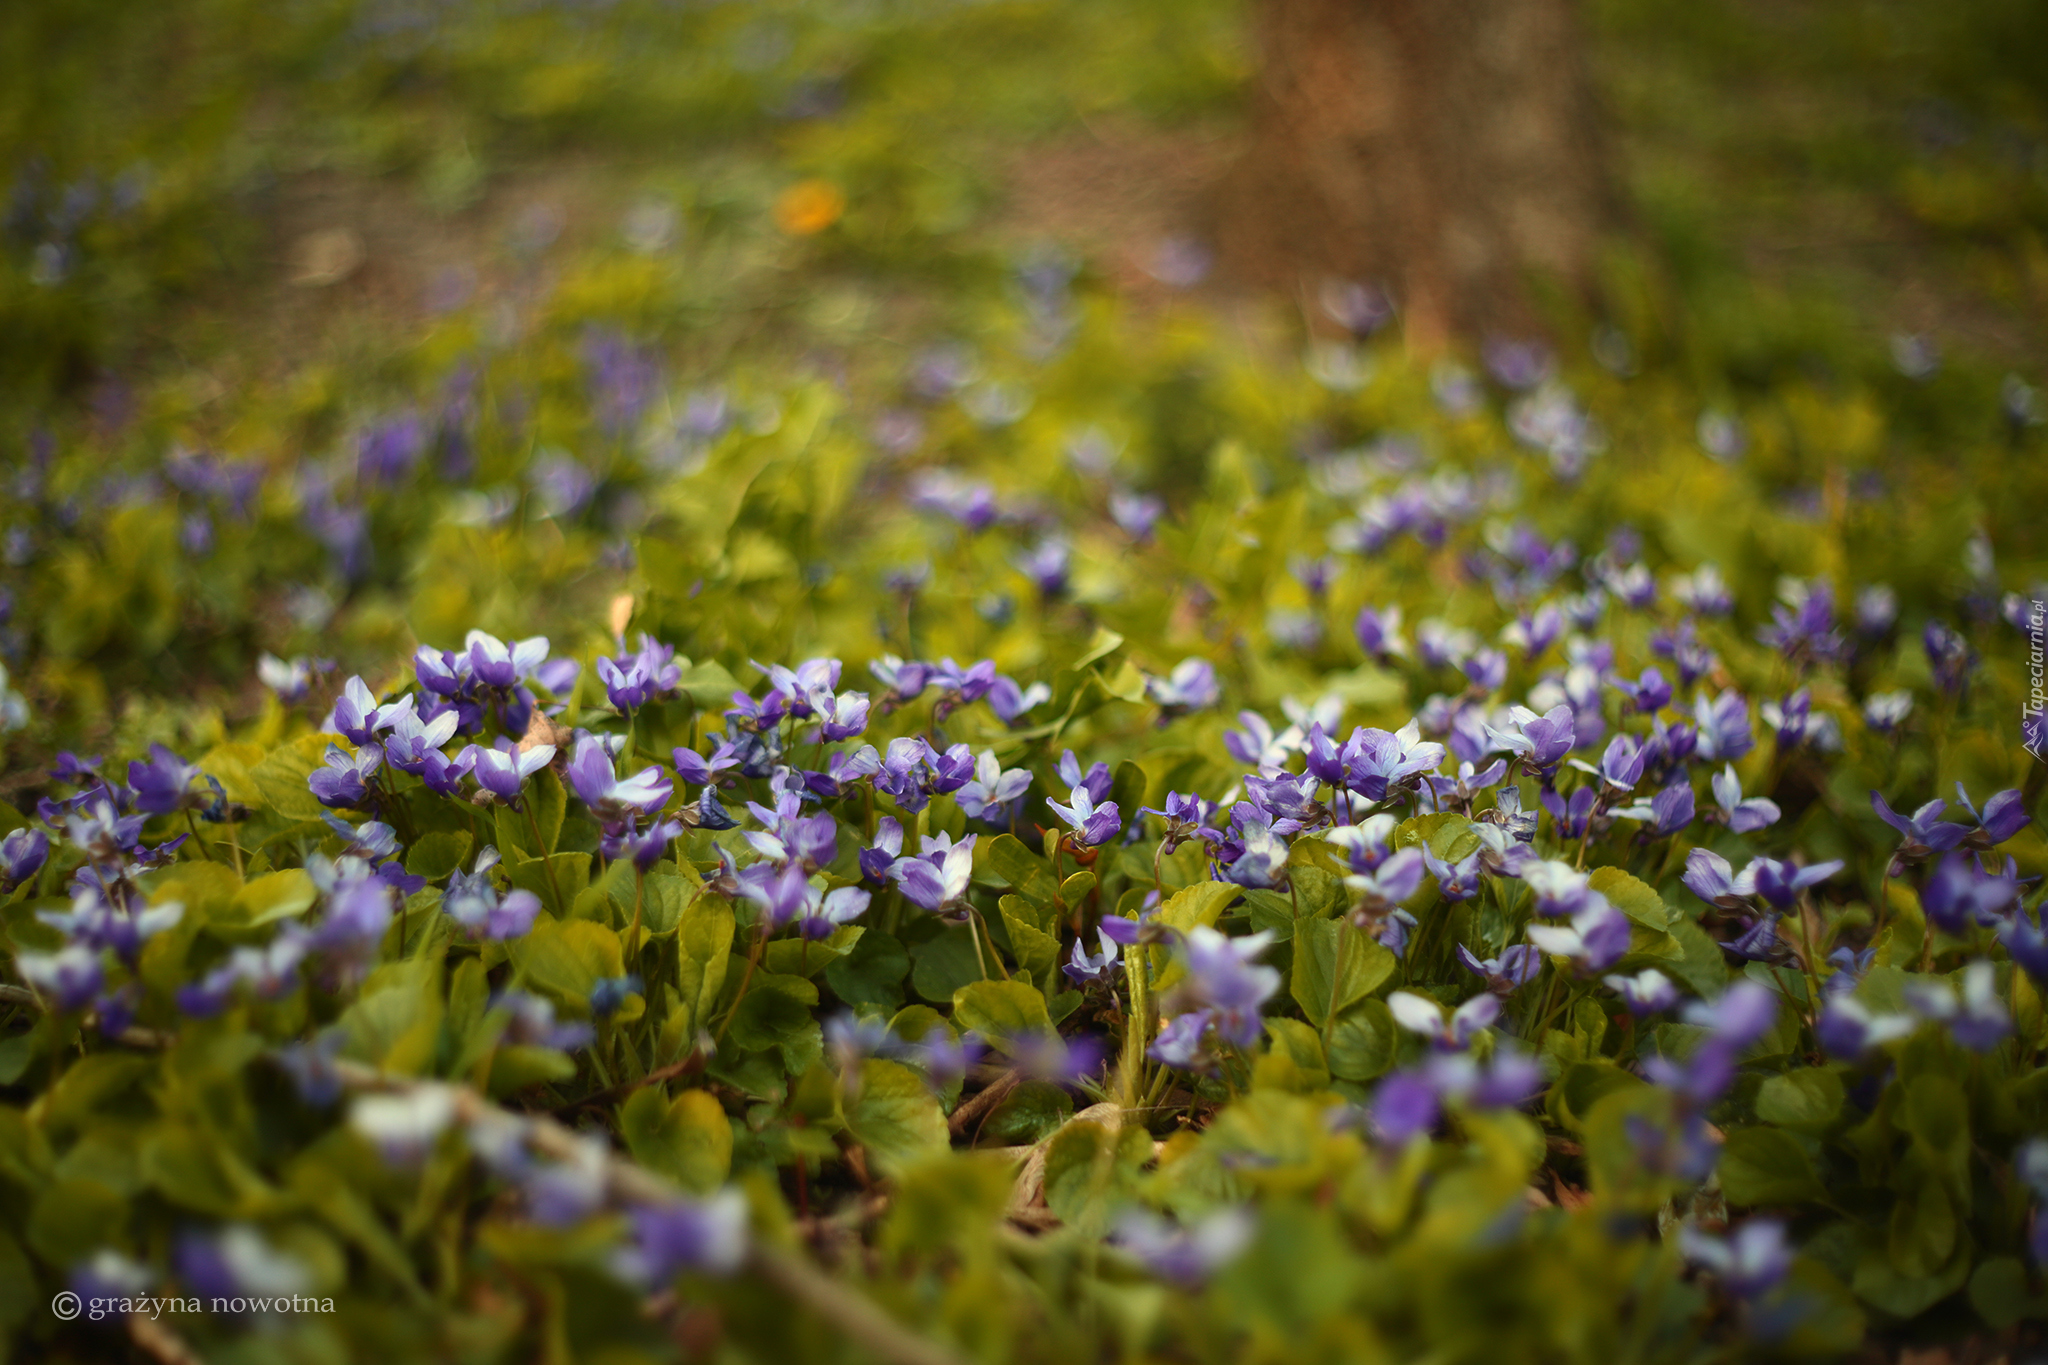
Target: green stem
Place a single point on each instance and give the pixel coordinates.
(1543, 1017)
(975, 916)
(1138, 1027)
(639, 897)
(197, 842)
(547, 866)
(753, 961)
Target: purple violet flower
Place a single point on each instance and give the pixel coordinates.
(1190, 687)
(344, 781)
(69, 978)
(1960, 890)
(1596, 940)
(1666, 813)
(1543, 740)
(1093, 823)
(1743, 816)
(597, 784)
(1781, 883)
(22, 855)
(706, 1236)
(502, 774)
(937, 878)
(1515, 968)
(1647, 992)
(1749, 1264)
(1709, 876)
(474, 903)
(164, 784)
(1651, 693)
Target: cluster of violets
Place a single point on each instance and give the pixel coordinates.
(559, 1190)
(1601, 747)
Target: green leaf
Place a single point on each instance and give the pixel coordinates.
(515, 1068)
(395, 1023)
(703, 948)
(688, 1139)
(1000, 1009)
(808, 957)
(1902, 1296)
(206, 890)
(1937, 1114)
(327, 1189)
(1043, 916)
(1702, 968)
(663, 901)
(1447, 835)
(1125, 683)
(945, 963)
(101, 1082)
(1105, 643)
(1269, 911)
(1364, 1042)
(1335, 967)
(1808, 1100)
(438, 854)
(275, 896)
(1921, 1236)
(1999, 1293)
(1036, 951)
(182, 1164)
(1766, 1166)
(1639, 901)
(1091, 1171)
(1829, 1323)
(1197, 904)
(568, 958)
(708, 684)
(1368, 688)
(1585, 1084)
(107, 1155)
(566, 873)
(16, 1053)
(281, 777)
(895, 1116)
(947, 1202)
(1010, 864)
(19, 1293)
(544, 804)
(1128, 788)
(1294, 1061)
(872, 974)
(913, 1023)
(72, 1219)
(775, 1013)
(1032, 1110)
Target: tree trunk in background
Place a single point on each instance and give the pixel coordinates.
(1445, 148)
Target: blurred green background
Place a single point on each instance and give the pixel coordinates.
(258, 230)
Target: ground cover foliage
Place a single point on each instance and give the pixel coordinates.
(1104, 840)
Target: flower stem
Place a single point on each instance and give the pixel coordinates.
(639, 898)
(975, 915)
(547, 866)
(746, 977)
